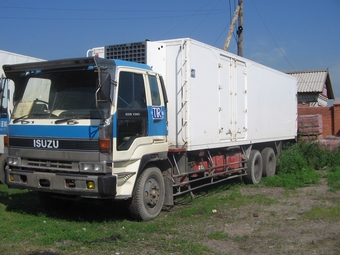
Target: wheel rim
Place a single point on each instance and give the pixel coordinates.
(151, 193)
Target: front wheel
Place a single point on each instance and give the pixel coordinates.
(148, 196)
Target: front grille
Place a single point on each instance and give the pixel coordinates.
(51, 165)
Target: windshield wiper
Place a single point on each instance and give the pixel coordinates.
(22, 121)
(68, 120)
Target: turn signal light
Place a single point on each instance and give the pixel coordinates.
(6, 141)
(105, 145)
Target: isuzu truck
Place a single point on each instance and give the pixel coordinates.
(145, 122)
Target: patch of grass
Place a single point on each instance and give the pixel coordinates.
(298, 163)
(218, 235)
(291, 161)
(293, 180)
(333, 177)
(323, 213)
(205, 203)
(235, 199)
(28, 228)
(316, 155)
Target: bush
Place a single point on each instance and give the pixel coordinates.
(291, 161)
(316, 155)
(333, 177)
(296, 166)
(334, 158)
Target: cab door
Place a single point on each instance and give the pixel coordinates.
(132, 113)
(141, 110)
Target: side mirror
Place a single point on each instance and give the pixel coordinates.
(104, 87)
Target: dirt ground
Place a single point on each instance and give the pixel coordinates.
(281, 228)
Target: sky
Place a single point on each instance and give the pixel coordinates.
(287, 35)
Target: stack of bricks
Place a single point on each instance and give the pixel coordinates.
(327, 117)
(310, 125)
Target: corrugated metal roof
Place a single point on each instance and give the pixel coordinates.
(314, 81)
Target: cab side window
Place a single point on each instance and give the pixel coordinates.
(131, 92)
(155, 96)
(132, 113)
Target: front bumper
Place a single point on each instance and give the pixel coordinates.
(91, 186)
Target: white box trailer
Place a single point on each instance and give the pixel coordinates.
(9, 58)
(6, 104)
(216, 98)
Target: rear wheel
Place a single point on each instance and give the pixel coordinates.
(269, 162)
(255, 167)
(148, 196)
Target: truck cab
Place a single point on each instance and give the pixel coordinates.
(88, 128)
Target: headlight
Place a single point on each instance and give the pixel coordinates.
(91, 167)
(13, 161)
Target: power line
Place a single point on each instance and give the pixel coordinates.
(102, 10)
(111, 18)
(209, 13)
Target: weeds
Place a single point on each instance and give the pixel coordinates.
(331, 213)
(299, 165)
(218, 235)
(333, 177)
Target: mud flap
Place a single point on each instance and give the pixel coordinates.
(107, 186)
(169, 196)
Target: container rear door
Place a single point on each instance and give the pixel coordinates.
(232, 99)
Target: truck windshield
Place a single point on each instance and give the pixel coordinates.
(58, 95)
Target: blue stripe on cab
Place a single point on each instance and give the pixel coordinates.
(74, 131)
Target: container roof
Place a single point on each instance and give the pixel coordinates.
(314, 81)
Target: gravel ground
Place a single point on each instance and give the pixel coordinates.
(281, 228)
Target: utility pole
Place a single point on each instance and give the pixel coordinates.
(231, 29)
(238, 14)
(240, 29)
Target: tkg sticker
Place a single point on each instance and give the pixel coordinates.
(157, 113)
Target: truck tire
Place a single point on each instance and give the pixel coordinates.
(52, 203)
(148, 196)
(255, 168)
(269, 162)
(3, 160)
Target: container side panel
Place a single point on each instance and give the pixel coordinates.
(272, 105)
(218, 99)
